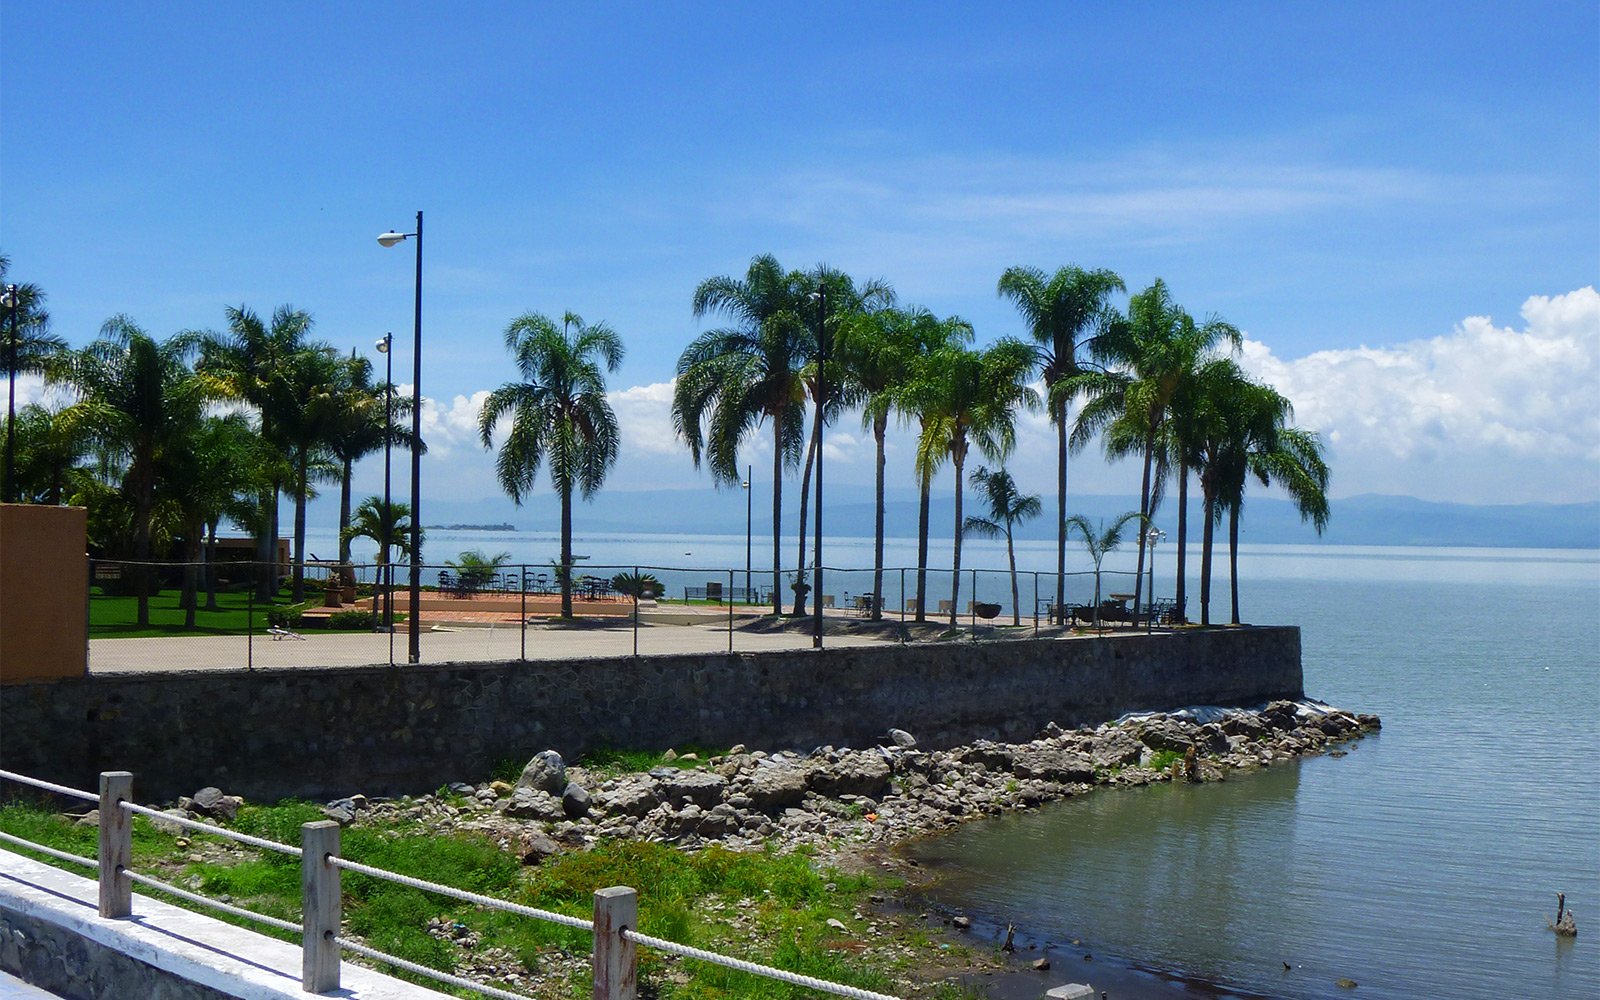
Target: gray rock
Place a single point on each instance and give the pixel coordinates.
(901, 738)
(984, 753)
(210, 801)
(546, 772)
(774, 787)
(576, 801)
(528, 803)
(340, 812)
(703, 788)
(634, 795)
(1054, 765)
(1161, 733)
(533, 846)
(859, 773)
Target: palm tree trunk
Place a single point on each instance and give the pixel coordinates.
(777, 513)
(923, 503)
(805, 498)
(959, 459)
(189, 600)
(301, 475)
(880, 426)
(1011, 557)
(1233, 557)
(1181, 595)
(344, 513)
(566, 550)
(143, 502)
(267, 545)
(1209, 509)
(1061, 510)
(1144, 511)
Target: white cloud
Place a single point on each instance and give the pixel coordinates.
(1483, 413)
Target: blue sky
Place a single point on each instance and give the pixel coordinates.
(1351, 186)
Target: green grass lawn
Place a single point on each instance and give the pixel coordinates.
(767, 906)
(116, 617)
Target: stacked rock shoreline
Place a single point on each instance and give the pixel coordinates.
(838, 798)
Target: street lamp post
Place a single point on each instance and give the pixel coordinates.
(1151, 537)
(749, 477)
(12, 302)
(821, 296)
(414, 643)
(384, 345)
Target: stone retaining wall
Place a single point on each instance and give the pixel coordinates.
(323, 732)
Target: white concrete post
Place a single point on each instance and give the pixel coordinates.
(116, 844)
(615, 957)
(320, 907)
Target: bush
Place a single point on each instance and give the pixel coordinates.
(285, 615)
(353, 620)
(643, 585)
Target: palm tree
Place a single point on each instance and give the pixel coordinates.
(1150, 357)
(139, 399)
(831, 302)
(473, 568)
(250, 363)
(49, 453)
(1064, 311)
(28, 345)
(916, 397)
(313, 376)
(730, 380)
(560, 411)
(364, 416)
(1007, 508)
(390, 528)
(973, 398)
(212, 475)
(1099, 541)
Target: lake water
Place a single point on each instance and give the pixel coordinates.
(1423, 864)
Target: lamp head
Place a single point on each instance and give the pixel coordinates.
(391, 238)
(383, 343)
(8, 298)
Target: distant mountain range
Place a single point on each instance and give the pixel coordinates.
(1359, 520)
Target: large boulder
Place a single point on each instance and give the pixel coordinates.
(530, 803)
(775, 786)
(209, 801)
(1163, 733)
(576, 800)
(633, 795)
(546, 772)
(1115, 749)
(1053, 765)
(703, 788)
(864, 772)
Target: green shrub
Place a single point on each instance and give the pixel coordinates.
(353, 620)
(643, 585)
(282, 615)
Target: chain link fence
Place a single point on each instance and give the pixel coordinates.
(249, 615)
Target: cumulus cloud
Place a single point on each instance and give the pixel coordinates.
(1484, 406)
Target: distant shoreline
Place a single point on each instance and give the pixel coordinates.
(470, 527)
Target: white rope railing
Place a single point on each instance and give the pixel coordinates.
(50, 786)
(194, 824)
(462, 894)
(51, 851)
(793, 978)
(423, 970)
(215, 904)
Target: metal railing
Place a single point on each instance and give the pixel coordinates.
(613, 922)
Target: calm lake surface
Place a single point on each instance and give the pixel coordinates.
(1423, 864)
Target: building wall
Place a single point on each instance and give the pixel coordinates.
(44, 593)
(377, 730)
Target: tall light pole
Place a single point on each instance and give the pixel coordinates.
(1151, 537)
(384, 345)
(13, 302)
(414, 646)
(749, 477)
(821, 295)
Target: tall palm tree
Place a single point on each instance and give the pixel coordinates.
(26, 344)
(1149, 357)
(139, 398)
(730, 380)
(973, 399)
(365, 416)
(1065, 312)
(1099, 541)
(916, 397)
(211, 476)
(250, 363)
(559, 411)
(313, 377)
(830, 301)
(1007, 508)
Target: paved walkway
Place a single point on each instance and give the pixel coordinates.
(459, 644)
(12, 988)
